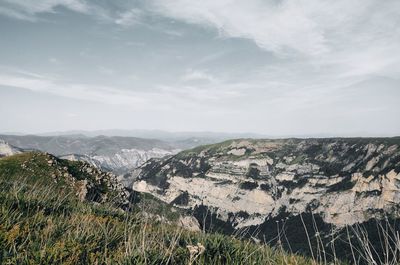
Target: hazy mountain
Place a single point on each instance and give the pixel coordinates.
(155, 134)
(117, 154)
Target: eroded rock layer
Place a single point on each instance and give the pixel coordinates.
(246, 182)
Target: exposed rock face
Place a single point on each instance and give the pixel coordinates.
(190, 223)
(7, 149)
(122, 161)
(246, 182)
(89, 182)
(114, 154)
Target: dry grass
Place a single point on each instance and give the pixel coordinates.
(41, 226)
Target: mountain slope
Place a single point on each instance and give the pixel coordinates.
(342, 179)
(251, 184)
(43, 220)
(79, 178)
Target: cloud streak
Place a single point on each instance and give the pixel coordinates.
(129, 18)
(162, 97)
(28, 10)
(274, 27)
(359, 36)
(45, 84)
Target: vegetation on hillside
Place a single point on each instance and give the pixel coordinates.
(43, 222)
(310, 179)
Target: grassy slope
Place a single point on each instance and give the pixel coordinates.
(43, 223)
(31, 167)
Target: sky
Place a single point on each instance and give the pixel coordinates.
(273, 67)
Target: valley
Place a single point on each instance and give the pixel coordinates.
(256, 189)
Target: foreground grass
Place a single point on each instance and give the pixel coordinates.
(45, 224)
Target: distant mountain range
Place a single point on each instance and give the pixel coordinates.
(117, 154)
(118, 151)
(192, 137)
(157, 134)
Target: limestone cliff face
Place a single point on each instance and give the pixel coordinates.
(246, 182)
(121, 162)
(7, 150)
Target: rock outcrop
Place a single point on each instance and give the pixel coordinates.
(247, 182)
(7, 150)
(87, 182)
(122, 161)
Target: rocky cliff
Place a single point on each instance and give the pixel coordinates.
(122, 161)
(7, 150)
(113, 154)
(247, 182)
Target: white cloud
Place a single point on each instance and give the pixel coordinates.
(47, 84)
(160, 98)
(275, 27)
(27, 10)
(54, 60)
(358, 37)
(129, 18)
(31, 11)
(105, 70)
(5, 11)
(197, 94)
(197, 75)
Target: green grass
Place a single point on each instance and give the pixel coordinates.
(34, 167)
(30, 166)
(44, 169)
(42, 223)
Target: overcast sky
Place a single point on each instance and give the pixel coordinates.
(275, 67)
